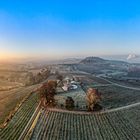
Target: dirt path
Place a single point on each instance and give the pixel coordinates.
(123, 107)
(86, 112)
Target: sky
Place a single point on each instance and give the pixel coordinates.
(54, 29)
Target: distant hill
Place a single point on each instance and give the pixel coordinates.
(70, 61)
(90, 60)
(98, 60)
(98, 65)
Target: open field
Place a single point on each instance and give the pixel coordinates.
(100, 81)
(125, 82)
(9, 78)
(90, 79)
(10, 99)
(7, 85)
(11, 67)
(16, 126)
(114, 96)
(119, 125)
(5, 74)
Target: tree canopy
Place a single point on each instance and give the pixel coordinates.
(93, 97)
(48, 90)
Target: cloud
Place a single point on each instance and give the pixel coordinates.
(132, 56)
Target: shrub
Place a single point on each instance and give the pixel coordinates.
(69, 103)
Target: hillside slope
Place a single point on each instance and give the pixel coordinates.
(117, 125)
(96, 65)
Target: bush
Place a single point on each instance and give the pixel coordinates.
(69, 103)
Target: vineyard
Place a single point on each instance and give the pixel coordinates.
(9, 100)
(17, 124)
(61, 124)
(116, 125)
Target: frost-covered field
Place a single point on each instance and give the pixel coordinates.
(118, 125)
(114, 96)
(77, 95)
(19, 121)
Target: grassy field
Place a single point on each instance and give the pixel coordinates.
(120, 125)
